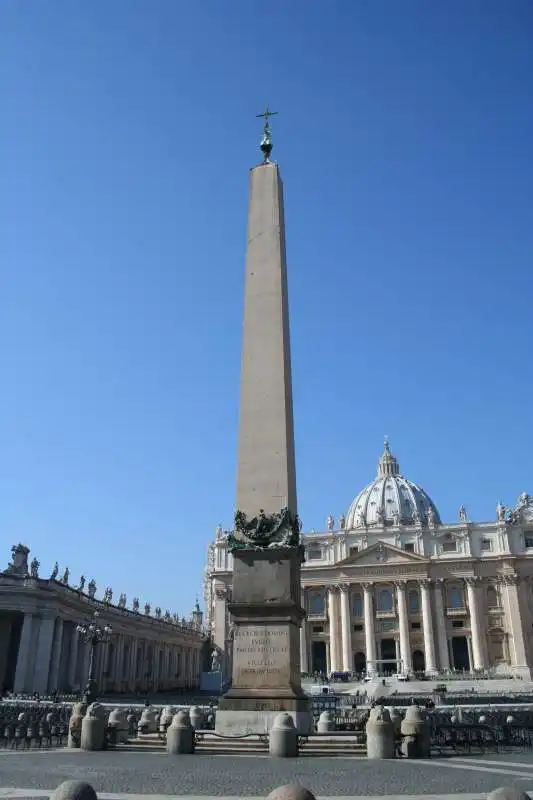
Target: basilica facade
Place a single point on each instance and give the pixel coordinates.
(389, 588)
(43, 648)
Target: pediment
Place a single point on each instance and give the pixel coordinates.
(380, 553)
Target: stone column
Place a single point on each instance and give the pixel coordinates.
(103, 653)
(5, 635)
(132, 673)
(304, 663)
(405, 647)
(440, 619)
(515, 620)
(427, 625)
(44, 654)
(220, 633)
(475, 623)
(370, 634)
(73, 658)
(346, 629)
(196, 667)
(23, 654)
(85, 661)
(111, 662)
(117, 665)
(333, 619)
(470, 652)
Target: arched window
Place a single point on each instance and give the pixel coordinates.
(492, 597)
(316, 604)
(357, 605)
(414, 602)
(385, 600)
(455, 598)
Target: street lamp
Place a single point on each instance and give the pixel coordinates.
(93, 634)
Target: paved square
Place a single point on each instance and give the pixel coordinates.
(127, 776)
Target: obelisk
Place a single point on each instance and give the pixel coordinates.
(266, 472)
(267, 554)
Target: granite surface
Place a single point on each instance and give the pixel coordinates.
(211, 776)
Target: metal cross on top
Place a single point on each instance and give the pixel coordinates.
(266, 114)
(266, 142)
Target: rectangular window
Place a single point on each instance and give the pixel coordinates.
(358, 628)
(409, 547)
(449, 547)
(314, 554)
(528, 542)
(318, 629)
(354, 550)
(415, 626)
(458, 623)
(485, 544)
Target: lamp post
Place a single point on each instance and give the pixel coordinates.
(93, 634)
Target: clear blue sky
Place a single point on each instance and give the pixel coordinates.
(405, 142)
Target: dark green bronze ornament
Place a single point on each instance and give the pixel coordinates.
(265, 531)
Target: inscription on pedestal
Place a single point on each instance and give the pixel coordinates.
(261, 656)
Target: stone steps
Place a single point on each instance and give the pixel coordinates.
(326, 745)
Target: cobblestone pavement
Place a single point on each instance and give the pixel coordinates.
(254, 776)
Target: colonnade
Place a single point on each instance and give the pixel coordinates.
(52, 657)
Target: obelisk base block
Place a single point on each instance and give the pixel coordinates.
(239, 722)
(266, 615)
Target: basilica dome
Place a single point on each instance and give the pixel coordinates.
(391, 499)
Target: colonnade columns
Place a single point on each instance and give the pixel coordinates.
(132, 670)
(427, 625)
(370, 635)
(405, 647)
(44, 654)
(303, 638)
(55, 664)
(478, 645)
(346, 629)
(23, 654)
(442, 639)
(333, 617)
(518, 646)
(118, 666)
(73, 658)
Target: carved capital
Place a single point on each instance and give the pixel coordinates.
(511, 580)
(221, 592)
(368, 586)
(400, 584)
(425, 583)
(472, 580)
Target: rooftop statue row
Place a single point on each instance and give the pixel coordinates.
(19, 567)
(524, 506)
(503, 514)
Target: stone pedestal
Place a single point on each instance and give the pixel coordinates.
(266, 615)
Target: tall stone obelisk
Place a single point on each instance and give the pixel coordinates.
(265, 600)
(266, 472)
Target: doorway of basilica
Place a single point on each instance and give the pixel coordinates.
(419, 661)
(460, 657)
(318, 657)
(359, 663)
(388, 653)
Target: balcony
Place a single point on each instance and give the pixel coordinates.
(460, 611)
(386, 614)
(313, 616)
